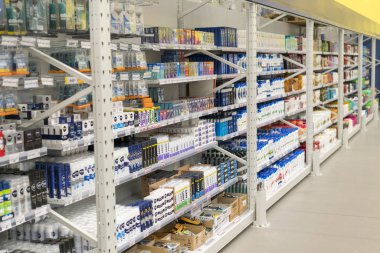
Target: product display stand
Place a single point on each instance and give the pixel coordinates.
(114, 191)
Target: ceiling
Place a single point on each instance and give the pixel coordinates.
(358, 16)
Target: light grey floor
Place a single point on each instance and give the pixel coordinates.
(338, 212)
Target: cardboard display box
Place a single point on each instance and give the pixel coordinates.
(232, 202)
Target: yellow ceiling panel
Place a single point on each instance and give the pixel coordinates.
(361, 16)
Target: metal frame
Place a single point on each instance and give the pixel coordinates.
(309, 90)
(252, 112)
(373, 76)
(360, 78)
(104, 143)
(341, 84)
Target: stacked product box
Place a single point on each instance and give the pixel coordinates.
(201, 132)
(270, 41)
(221, 68)
(229, 122)
(233, 95)
(166, 35)
(270, 110)
(226, 167)
(15, 141)
(169, 70)
(295, 103)
(325, 139)
(269, 62)
(223, 36)
(21, 192)
(321, 119)
(282, 172)
(270, 87)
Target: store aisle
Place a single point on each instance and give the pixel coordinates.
(338, 212)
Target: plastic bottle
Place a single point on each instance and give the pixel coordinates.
(1, 200)
(2, 144)
(14, 188)
(7, 203)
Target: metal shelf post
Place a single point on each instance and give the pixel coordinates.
(373, 76)
(360, 78)
(309, 89)
(340, 84)
(104, 143)
(252, 105)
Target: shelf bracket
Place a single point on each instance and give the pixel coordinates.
(232, 81)
(295, 74)
(351, 39)
(58, 107)
(325, 109)
(218, 58)
(352, 67)
(58, 64)
(289, 124)
(189, 11)
(223, 151)
(272, 21)
(59, 218)
(367, 39)
(330, 70)
(294, 62)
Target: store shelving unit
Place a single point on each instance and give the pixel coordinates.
(100, 86)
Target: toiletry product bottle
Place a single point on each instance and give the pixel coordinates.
(3, 18)
(53, 16)
(81, 16)
(16, 17)
(37, 16)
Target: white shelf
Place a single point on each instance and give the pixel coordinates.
(268, 122)
(320, 130)
(350, 93)
(278, 72)
(350, 112)
(193, 205)
(289, 114)
(329, 151)
(142, 172)
(232, 107)
(181, 80)
(123, 133)
(226, 234)
(350, 79)
(351, 54)
(230, 136)
(228, 76)
(22, 156)
(326, 53)
(270, 98)
(354, 131)
(33, 214)
(369, 119)
(296, 92)
(277, 157)
(329, 101)
(279, 51)
(285, 188)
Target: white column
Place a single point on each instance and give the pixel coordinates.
(341, 84)
(309, 89)
(104, 143)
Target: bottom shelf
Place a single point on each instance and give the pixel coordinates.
(354, 131)
(285, 188)
(227, 234)
(369, 119)
(329, 151)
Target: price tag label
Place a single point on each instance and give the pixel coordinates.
(40, 211)
(43, 43)
(147, 75)
(14, 158)
(136, 47)
(72, 43)
(134, 175)
(124, 46)
(124, 76)
(31, 83)
(85, 44)
(136, 77)
(156, 48)
(114, 77)
(9, 41)
(6, 224)
(71, 80)
(20, 219)
(34, 154)
(47, 81)
(146, 233)
(10, 82)
(113, 46)
(28, 41)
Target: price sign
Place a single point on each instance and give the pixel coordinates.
(28, 41)
(114, 46)
(72, 43)
(124, 46)
(85, 44)
(136, 47)
(47, 81)
(43, 43)
(10, 82)
(9, 41)
(156, 48)
(31, 83)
